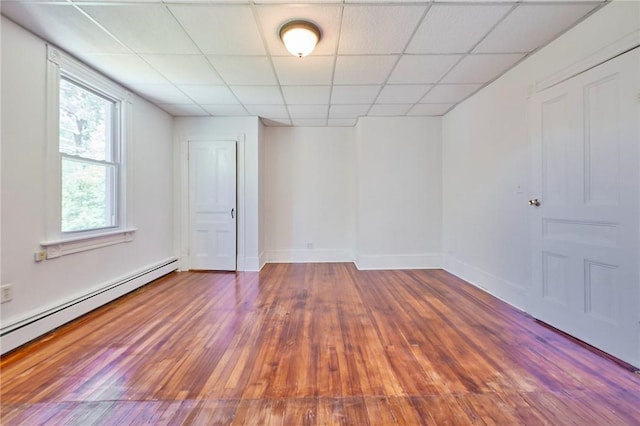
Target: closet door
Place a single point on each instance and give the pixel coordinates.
(585, 232)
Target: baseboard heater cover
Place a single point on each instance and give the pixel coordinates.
(22, 331)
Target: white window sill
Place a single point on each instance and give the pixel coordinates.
(63, 247)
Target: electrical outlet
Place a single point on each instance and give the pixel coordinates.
(39, 256)
(309, 246)
(6, 293)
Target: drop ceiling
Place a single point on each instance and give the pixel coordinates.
(224, 58)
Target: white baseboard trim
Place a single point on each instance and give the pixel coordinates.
(250, 264)
(504, 290)
(262, 259)
(19, 331)
(398, 261)
(310, 256)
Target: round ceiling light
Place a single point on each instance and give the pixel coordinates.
(300, 37)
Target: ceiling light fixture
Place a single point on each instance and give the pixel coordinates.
(300, 37)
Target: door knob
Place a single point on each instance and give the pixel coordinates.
(534, 202)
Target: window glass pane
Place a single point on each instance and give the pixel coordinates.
(86, 122)
(87, 195)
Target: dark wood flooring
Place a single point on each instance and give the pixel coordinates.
(300, 344)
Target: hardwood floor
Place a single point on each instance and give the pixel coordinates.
(312, 344)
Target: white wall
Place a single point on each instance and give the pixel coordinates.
(39, 286)
(486, 160)
(309, 194)
(246, 130)
(399, 192)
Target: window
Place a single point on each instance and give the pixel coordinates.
(87, 184)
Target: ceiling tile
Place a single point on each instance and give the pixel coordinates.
(258, 95)
(481, 68)
(416, 69)
(63, 25)
(455, 28)
(314, 70)
(144, 28)
(308, 111)
(187, 110)
(363, 69)
(326, 17)
(226, 110)
(125, 68)
(309, 122)
(449, 93)
(386, 110)
(377, 29)
(184, 69)
(208, 94)
(348, 111)
(278, 122)
(402, 93)
(245, 70)
(221, 30)
(268, 111)
(530, 26)
(429, 109)
(342, 122)
(306, 95)
(161, 93)
(354, 94)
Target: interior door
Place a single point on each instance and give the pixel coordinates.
(212, 205)
(585, 233)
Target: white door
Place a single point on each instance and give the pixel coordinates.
(585, 233)
(212, 205)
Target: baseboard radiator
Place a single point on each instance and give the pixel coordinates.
(18, 332)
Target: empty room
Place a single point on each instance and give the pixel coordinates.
(261, 212)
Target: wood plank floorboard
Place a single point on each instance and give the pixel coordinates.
(312, 344)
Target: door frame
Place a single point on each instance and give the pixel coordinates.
(182, 213)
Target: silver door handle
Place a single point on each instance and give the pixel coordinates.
(534, 202)
(233, 213)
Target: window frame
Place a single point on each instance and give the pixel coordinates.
(58, 243)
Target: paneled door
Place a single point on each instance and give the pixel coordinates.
(585, 233)
(212, 205)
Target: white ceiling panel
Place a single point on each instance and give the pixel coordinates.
(268, 111)
(386, 110)
(189, 110)
(378, 29)
(244, 70)
(306, 95)
(225, 58)
(309, 122)
(348, 111)
(429, 109)
(530, 26)
(161, 93)
(184, 69)
(481, 68)
(144, 28)
(126, 68)
(402, 93)
(455, 28)
(209, 94)
(327, 18)
(258, 95)
(354, 94)
(449, 93)
(311, 70)
(308, 111)
(64, 26)
(342, 122)
(363, 69)
(226, 110)
(221, 30)
(417, 69)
